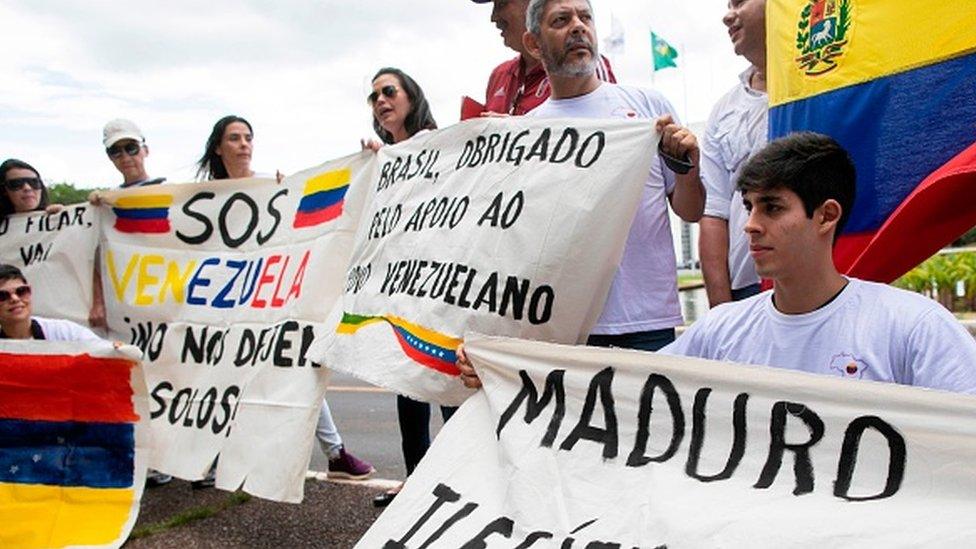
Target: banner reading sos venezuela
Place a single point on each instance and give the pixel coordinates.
(225, 285)
(508, 226)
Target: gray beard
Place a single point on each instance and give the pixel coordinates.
(569, 69)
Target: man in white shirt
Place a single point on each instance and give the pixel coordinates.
(642, 308)
(736, 129)
(799, 191)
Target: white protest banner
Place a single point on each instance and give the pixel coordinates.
(74, 430)
(225, 285)
(56, 252)
(508, 226)
(588, 447)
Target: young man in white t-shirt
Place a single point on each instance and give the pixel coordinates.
(799, 192)
(642, 308)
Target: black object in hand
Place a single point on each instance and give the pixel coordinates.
(676, 165)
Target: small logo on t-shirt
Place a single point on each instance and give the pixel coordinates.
(848, 365)
(624, 112)
(500, 92)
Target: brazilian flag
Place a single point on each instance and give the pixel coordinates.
(662, 53)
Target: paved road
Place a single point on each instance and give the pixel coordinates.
(366, 418)
(332, 515)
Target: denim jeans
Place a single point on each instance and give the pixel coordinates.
(745, 291)
(651, 340)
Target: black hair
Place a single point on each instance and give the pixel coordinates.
(6, 206)
(9, 272)
(419, 116)
(210, 165)
(812, 165)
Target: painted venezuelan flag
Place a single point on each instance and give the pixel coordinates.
(895, 83)
(427, 347)
(147, 213)
(67, 447)
(323, 198)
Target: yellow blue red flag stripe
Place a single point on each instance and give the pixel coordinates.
(146, 214)
(67, 450)
(424, 346)
(323, 198)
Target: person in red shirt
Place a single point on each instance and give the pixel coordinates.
(519, 85)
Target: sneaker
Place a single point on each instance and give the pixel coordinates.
(154, 478)
(348, 466)
(207, 481)
(202, 483)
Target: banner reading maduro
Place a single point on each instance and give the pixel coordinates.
(73, 444)
(507, 226)
(225, 285)
(588, 447)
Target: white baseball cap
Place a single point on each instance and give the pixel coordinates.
(119, 129)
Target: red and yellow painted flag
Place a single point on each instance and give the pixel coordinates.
(895, 83)
(71, 469)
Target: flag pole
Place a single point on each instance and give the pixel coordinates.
(684, 83)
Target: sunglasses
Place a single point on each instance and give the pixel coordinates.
(20, 291)
(17, 184)
(131, 148)
(389, 91)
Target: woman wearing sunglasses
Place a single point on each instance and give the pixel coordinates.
(23, 190)
(400, 111)
(16, 321)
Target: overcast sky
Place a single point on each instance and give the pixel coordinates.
(298, 70)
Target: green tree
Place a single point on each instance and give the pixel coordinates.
(66, 193)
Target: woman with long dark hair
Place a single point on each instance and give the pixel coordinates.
(23, 189)
(228, 151)
(228, 156)
(400, 111)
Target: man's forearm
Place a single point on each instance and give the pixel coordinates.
(688, 198)
(713, 249)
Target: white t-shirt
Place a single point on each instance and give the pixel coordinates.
(644, 292)
(737, 129)
(869, 331)
(64, 330)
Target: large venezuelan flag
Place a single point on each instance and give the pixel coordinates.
(895, 83)
(67, 450)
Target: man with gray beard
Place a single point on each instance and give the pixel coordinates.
(642, 309)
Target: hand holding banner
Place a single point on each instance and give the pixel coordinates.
(506, 226)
